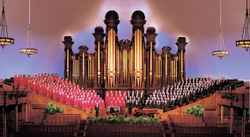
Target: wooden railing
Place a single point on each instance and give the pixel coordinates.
(187, 120)
(201, 130)
(47, 131)
(204, 135)
(63, 119)
(124, 130)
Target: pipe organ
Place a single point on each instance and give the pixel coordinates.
(124, 64)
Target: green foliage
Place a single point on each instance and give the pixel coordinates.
(52, 110)
(198, 110)
(123, 120)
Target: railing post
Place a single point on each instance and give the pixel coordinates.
(221, 113)
(243, 128)
(231, 119)
(16, 118)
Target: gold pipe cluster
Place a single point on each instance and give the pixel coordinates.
(138, 58)
(125, 66)
(111, 57)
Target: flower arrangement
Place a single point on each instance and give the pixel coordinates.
(124, 120)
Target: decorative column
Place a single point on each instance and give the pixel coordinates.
(181, 72)
(138, 45)
(151, 35)
(98, 78)
(111, 21)
(68, 65)
(83, 54)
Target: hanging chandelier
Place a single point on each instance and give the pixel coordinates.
(220, 49)
(4, 38)
(245, 42)
(28, 50)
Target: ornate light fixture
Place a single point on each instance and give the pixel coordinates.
(245, 42)
(29, 50)
(4, 38)
(220, 49)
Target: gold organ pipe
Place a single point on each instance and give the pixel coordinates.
(182, 61)
(73, 66)
(98, 58)
(171, 70)
(160, 66)
(98, 62)
(118, 60)
(166, 67)
(176, 61)
(111, 51)
(158, 70)
(104, 72)
(135, 57)
(88, 67)
(83, 65)
(139, 46)
(93, 66)
(140, 56)
(126, 66)
(108, 51)
(114, 56)
(111, 57)
(136, 52)
(138, 59)
(174, 70)
(67, 74)
(140, 50)
(151, 61)
(156, 64)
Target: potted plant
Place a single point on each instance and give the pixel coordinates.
(197, 111)
(52, 110)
